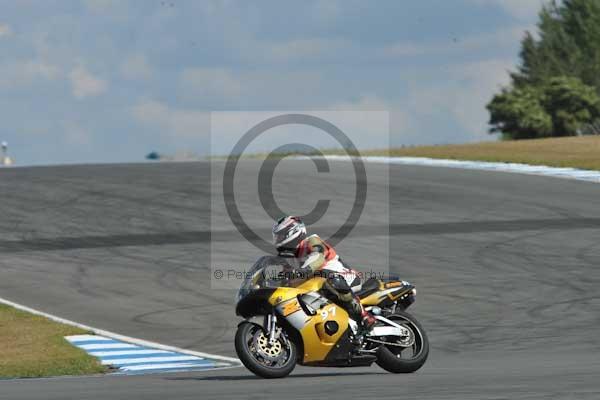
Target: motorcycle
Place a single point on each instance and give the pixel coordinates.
(289, 322)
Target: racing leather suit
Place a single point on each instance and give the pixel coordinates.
(318, 258)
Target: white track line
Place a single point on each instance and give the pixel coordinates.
(126, 352)
(230, 360)
(106, 346)
(542, 170)
(147, 360)
(150, 367)
(85, 338)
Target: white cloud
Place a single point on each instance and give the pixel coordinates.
(84, 84)
(482, 80)
(276, 88)
(219, 82)
(326, 11)
(136, 67)
(26, 73)
(101, 6)
(506, 38)
(173, 121)
(400, 121)
(304, 48)
(469, 88)
(5, 30)
(522, 9)
(365, 128)
(41, 69)
(367, 102)
(76, 134)
(405, 49)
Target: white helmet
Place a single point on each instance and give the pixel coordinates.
(288, 232)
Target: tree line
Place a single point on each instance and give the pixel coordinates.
(555, 90)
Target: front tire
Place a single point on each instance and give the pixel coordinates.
(391, 358)
(262, 359)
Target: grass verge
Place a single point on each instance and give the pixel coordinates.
(32, 346)
(576, 152)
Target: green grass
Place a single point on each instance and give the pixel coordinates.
(576, 152)
(32, 346)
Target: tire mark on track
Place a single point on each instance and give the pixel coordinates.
(205, 236)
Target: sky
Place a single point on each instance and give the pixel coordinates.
(112, 80)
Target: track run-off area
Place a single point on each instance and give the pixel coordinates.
(507, 268)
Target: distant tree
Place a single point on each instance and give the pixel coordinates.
(581, 19)
(554, 54)
(519, 114)
(559, 107)
(571, 105)
(554, 91)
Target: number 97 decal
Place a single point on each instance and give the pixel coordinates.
(325, 312)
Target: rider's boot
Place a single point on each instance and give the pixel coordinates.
(364, 319)
(367, 320)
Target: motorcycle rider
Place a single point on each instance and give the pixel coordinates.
(319, 258)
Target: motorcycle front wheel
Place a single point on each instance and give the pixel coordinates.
(260, 356)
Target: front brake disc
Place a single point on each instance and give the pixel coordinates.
(269, 351)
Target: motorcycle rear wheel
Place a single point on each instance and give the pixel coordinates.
(391, 358)
(248, 337)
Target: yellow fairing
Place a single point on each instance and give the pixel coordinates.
(317, 343)
(312, 285)
(283, 294)
(374, 298)
(286, 293)
(392, 291)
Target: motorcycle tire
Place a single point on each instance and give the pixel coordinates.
(390, 361)
(247, 358)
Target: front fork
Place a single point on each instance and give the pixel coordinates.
(271, 327)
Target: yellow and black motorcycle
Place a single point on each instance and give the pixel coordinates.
(287, 321)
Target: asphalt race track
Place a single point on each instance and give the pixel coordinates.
(507, 267)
